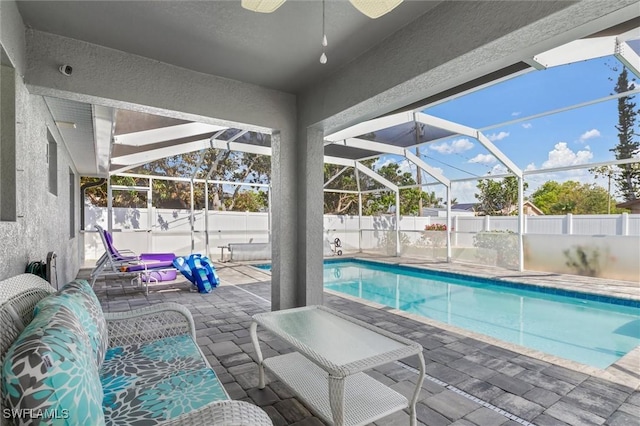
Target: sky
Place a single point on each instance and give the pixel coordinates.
(576, 136)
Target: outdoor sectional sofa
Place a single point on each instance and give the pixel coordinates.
(65, 362)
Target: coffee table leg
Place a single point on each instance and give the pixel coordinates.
(256, 346)
(336, 399)
(416, 393)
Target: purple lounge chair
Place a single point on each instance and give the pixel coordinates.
(148, 266)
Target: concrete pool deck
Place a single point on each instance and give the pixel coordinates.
(472, 380)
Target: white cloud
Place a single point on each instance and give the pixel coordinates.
(457, 146)
(381, 162)
(483, 159)
(464, 191)
(527, 125)
(406, 166)
(499, 169)
(516, 113)
(530, 166)
(589, 134)
(561, 155)
(497, 136)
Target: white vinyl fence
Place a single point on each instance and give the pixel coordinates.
(599, 245)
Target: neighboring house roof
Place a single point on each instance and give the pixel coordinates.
(529, 208)
(634, 205)
(532, 209)
(470, 207)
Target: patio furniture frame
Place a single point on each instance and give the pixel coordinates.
(121, 263)
(20, 294)
(328, 373)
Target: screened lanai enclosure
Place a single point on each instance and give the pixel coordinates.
(186, 187)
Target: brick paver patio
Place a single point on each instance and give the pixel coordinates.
(472, 382)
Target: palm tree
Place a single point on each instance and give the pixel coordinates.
(431, 200)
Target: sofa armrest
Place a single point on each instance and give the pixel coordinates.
(225, 413)
(149, 323)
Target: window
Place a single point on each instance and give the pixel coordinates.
(72, 204)
(7, 139)
(52, 159)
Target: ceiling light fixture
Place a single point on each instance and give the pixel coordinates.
(323, 57)
(262, 6)
(375, 8)
(372, 8)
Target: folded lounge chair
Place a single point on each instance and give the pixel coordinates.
(145, 267)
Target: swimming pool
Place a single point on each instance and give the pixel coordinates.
(571, 325)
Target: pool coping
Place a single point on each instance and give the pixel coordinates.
(625, 293)
(623, 371)
(511, 282)
(620, 372)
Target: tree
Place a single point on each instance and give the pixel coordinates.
(409, 197)
(339, 202)
(374, 203)
(248, 201)
(498, 197)
(431, 200)
(224, 165)
(572, 197)
(628, 180)
(607, 172)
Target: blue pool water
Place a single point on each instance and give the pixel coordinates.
(265, 266)
(570, 325)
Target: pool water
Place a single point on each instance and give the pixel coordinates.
(591, 332)
(264, 266)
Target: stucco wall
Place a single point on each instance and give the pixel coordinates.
(43, 219)
(112, 78)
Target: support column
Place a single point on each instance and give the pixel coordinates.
(520, 223)
(284, 226)
(310, 218)
(269, 212)
(398, 223)
(296, 244)
(192, 219)
(206, 217)
(449, 224)
(359, 210)
(109, 206)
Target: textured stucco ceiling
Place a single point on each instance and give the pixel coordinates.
(280, 50)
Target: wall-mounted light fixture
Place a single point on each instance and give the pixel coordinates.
(66, 124)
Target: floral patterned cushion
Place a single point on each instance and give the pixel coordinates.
(152, 361)
(154, 403)
(50, 374)
(157, 381)
(79, 297)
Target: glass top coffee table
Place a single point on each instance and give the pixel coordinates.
(327, 371)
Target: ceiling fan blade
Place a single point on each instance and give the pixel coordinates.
(262, 6)
(375, 8)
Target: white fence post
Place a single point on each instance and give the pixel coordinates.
(487, 223)
(569, 221)
(625, 223)
(454, 229)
